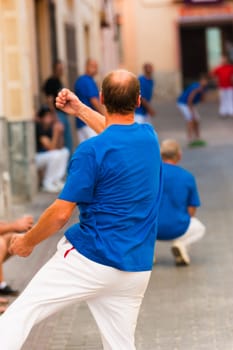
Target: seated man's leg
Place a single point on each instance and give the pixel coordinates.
(62, 156)
(116, 312)
(194, 233)
(55, 163)
(4, 244)
(3, 255)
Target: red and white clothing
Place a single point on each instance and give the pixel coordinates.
(224, 75)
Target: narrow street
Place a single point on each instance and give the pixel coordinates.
(184, 308)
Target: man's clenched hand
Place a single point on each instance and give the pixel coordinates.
(19, 246)
(68, 102)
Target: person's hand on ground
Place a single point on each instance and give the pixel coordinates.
(19, 246)
(68, 102)
(24, 223)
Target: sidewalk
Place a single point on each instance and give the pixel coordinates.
(184, 309)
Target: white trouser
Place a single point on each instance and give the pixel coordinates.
(55, 165)
(142, 119)
(187, 113)
(113, 296)
(226, 101)
(194, 233)
(84, 133)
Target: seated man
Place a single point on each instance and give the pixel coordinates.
(7, 229)
(179, 202)
(51, 156)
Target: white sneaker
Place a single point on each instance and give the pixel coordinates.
(180, 253)
(51, 188)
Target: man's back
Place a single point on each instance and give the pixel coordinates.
(179, 192)
(119, 186)
(183, 98)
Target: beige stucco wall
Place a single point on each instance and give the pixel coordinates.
(87, 14)
(26, 61)
(150, 33)
(16, 59)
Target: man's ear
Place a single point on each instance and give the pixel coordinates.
(139, 100)
(101, 98)
(179, 156)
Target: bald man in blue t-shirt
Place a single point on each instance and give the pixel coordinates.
(106, 258)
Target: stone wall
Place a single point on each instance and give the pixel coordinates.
(21, 139)
(5, 190)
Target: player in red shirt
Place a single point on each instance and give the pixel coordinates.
(224, 75)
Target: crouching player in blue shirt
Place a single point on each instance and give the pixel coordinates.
(106, 258)
(179, 202)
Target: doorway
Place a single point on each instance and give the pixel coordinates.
(202, 46)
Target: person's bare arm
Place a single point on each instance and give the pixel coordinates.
(150, 110)
(192, 211)
(68, 102)
(51, 221)
(20, 225)
(97, 105)
(192, 96)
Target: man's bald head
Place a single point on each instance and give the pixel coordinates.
(120, 91)
(170, 150)
(91, 67)
(148, 69)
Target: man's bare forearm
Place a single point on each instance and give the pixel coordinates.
(93, 119)
(68, 102)
(50, 222)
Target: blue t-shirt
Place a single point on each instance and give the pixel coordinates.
(85, 88)
(146, 89)
(179, 193)
(183, 98)
(115, 179)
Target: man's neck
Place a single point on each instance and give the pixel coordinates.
(119, 119)
(170, 161)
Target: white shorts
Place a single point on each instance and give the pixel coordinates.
(84, 133)
(142, 119)
(188, 113)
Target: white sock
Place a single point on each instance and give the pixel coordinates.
(3, 284)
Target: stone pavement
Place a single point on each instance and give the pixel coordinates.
(184, 308)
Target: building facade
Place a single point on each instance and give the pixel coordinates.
(33, 34)
(182, 38)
